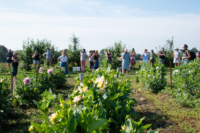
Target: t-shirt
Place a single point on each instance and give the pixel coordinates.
(37, 57)
(83, 56)
(90, 58)
(162, 56)
(9, 55)
(63, 58)
(199, 54)
(48, 55)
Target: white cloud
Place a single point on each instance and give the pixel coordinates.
(97, 32)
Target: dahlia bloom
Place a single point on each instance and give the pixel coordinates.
(49, 71)
(53, 118)
(40, 70)
(27, 81)
(1, 80)
(101, 83)
(85, 89)
(77, 98)
(124, 128)
(31, 128)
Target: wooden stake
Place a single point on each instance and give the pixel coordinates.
(12, 82)
(170, 75)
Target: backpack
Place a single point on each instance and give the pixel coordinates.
(193, 55)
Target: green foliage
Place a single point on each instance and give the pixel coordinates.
(30, 46)
(74, 52)
(24, 94)
(152, 78)
(187, 84)
(169, 49)
(116, 51)
(99, 104)
(195, 50)
(5, 99)
(3, 51)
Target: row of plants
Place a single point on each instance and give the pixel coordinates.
(6, 103)
(186, 84)
(101, 103)
(27, 89)
(152, 77)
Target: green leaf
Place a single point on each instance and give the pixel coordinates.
(96, 124)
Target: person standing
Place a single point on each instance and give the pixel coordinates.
(132, 58)
(36, 59)
(199, 55)
(108, 57)
(152, 57)
(83, 57)
(185, 54)
(15, 64)
(8, 56)
(63, 62)
(91, 59)
(125, 62)
(162, 55)
(145, 56)
(96, 59)
(176, 57)
(49, 56)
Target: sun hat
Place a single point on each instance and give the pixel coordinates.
(176, 48)
(125, 50)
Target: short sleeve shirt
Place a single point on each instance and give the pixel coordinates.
(63, 58)
(48, 55)
(9, 56)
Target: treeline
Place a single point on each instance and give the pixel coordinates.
(73, 51)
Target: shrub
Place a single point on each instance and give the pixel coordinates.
(152, 78)
(187, 84)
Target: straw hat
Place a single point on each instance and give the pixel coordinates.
(176, 48)
(15, 54)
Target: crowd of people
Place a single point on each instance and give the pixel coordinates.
(128, 59)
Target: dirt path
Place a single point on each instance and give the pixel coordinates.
(153, 115)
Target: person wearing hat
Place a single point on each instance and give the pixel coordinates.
(125, 62)
(176, 57)
(8, 56)
(132, 60)
(15, 64)
(108, 57)
(185, 54)
(48, 56)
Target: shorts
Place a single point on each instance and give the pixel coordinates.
(48, 62)
(36, 61)
(9, 61)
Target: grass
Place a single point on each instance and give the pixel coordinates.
(159, 109)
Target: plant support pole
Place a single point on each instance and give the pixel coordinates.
(12, 82)
(170, 75)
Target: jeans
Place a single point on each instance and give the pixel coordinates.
(64, 64)
(15, 70)
(97, 65)
(162, 61)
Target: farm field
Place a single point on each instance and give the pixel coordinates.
(161, 110)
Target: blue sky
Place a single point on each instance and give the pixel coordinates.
(98, 24)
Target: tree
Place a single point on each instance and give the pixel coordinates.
(30, 46)
(194, 50)
(3, 51)
(74, 51)
(116, 51)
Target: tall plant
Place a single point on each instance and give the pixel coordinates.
(29, 46)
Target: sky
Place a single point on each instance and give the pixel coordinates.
(100, 23)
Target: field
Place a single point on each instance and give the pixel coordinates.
(161, 110)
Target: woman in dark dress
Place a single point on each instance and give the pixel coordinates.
(108, 57)
(15, 64)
